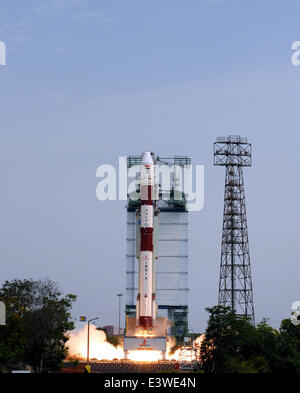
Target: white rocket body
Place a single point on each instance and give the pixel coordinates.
(146, 302)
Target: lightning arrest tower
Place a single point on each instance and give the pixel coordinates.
(235, 285)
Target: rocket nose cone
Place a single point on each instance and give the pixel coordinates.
(147, 158)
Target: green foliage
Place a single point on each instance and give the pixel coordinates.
(233, 345)
(38, 320)
(74, 362)
(114, 340)
(288, 348)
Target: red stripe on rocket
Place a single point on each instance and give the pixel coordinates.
(146, 305)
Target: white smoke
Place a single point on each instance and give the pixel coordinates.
(100, 349)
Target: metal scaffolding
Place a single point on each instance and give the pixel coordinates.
(235, 285)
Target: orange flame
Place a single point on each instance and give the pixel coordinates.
(100, 349)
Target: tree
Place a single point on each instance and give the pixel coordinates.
(228, 340)
(38, 319)
(232, 344)
(288, 349)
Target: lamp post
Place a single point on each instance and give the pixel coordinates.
(88, 341)
(119, 295)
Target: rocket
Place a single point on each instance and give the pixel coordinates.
(146, 302)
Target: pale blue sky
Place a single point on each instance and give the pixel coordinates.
(88, 81)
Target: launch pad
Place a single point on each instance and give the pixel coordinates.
(152, 339)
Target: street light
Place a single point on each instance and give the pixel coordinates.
(119, 295)
(88, 340)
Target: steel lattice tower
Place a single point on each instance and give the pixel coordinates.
(235, 285)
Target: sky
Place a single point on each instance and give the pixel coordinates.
(87, 81)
